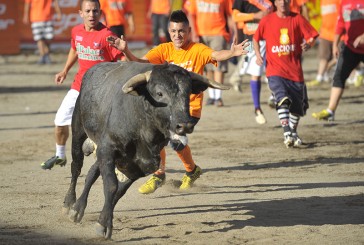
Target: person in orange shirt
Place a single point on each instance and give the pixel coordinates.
(193, 57)
(39, 13)
(159, 11)
(214, 34)
(118, 14)
(299, 7)
(329, 14)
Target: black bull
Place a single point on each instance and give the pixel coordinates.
(130, 110)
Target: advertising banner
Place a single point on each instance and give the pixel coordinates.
(9, 30)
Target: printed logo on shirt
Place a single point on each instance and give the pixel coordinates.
(117, 5)
(79, 38)
(87, 53)
(284, 48)
(352, 14)
(188, 65)
(328, 9)
(205, 7)
(96, 45)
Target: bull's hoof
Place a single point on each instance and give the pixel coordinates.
(65, 210)
(102, 231)
(75, 216)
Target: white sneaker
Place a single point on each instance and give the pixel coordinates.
(297, 140)
(259, 117)
(288, 140)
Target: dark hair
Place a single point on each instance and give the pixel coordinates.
(179, 16)
(93, 1)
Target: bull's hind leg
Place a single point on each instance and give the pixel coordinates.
(106, 159)
(76, 166)
(78, 210)
(78, 137)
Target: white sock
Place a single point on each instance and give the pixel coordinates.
(319, 78)
(61, 151)
(330, 111)
(218, 94)
(212, 93)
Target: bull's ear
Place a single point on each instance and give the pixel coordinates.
(201, 83)
(130, 87)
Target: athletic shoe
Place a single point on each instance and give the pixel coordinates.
(210, 101)
(259, 117)
(297, 140)
(313, 83)
(288, 140)
(188, 179)
(324, 115)
(53, 161)
(47, 59)
(358, 81)
(219, 103)
(41, 61)
(238, 86)
(272, 102)
(152, 184)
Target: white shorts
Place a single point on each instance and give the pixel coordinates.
(42, 30)
(250, 65)
(65, 111)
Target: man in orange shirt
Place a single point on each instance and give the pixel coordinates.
(329, 14)
(159, 11)
(40, 17)
(118, 14)
(214, 34)
(193, 57)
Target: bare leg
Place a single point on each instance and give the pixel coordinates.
(335, 97)
(61, 134)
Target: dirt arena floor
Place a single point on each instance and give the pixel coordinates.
(253, 190)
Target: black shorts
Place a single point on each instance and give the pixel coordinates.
(348, 61)
(296, 92)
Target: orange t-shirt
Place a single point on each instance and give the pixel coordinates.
(40, 10)
(295, 5)
(329, 14)
(115, 11)
(160, 6)
(211, 16)
(193, 58)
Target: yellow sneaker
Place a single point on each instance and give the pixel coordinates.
(188, 180)
(55, 160)
(359, 81)
(323, 115)
(313, 83)
(151, 185)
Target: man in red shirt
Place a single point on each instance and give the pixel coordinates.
(283, 32)
(88, 47)
(351, 23)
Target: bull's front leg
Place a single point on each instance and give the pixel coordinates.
(107, 170)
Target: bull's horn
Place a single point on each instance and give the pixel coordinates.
(132, 83)
(210, 83)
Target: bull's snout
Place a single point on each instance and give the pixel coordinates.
(185, 128)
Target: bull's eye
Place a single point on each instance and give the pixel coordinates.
(159, 94)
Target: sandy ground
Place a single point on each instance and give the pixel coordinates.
(253, 190)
